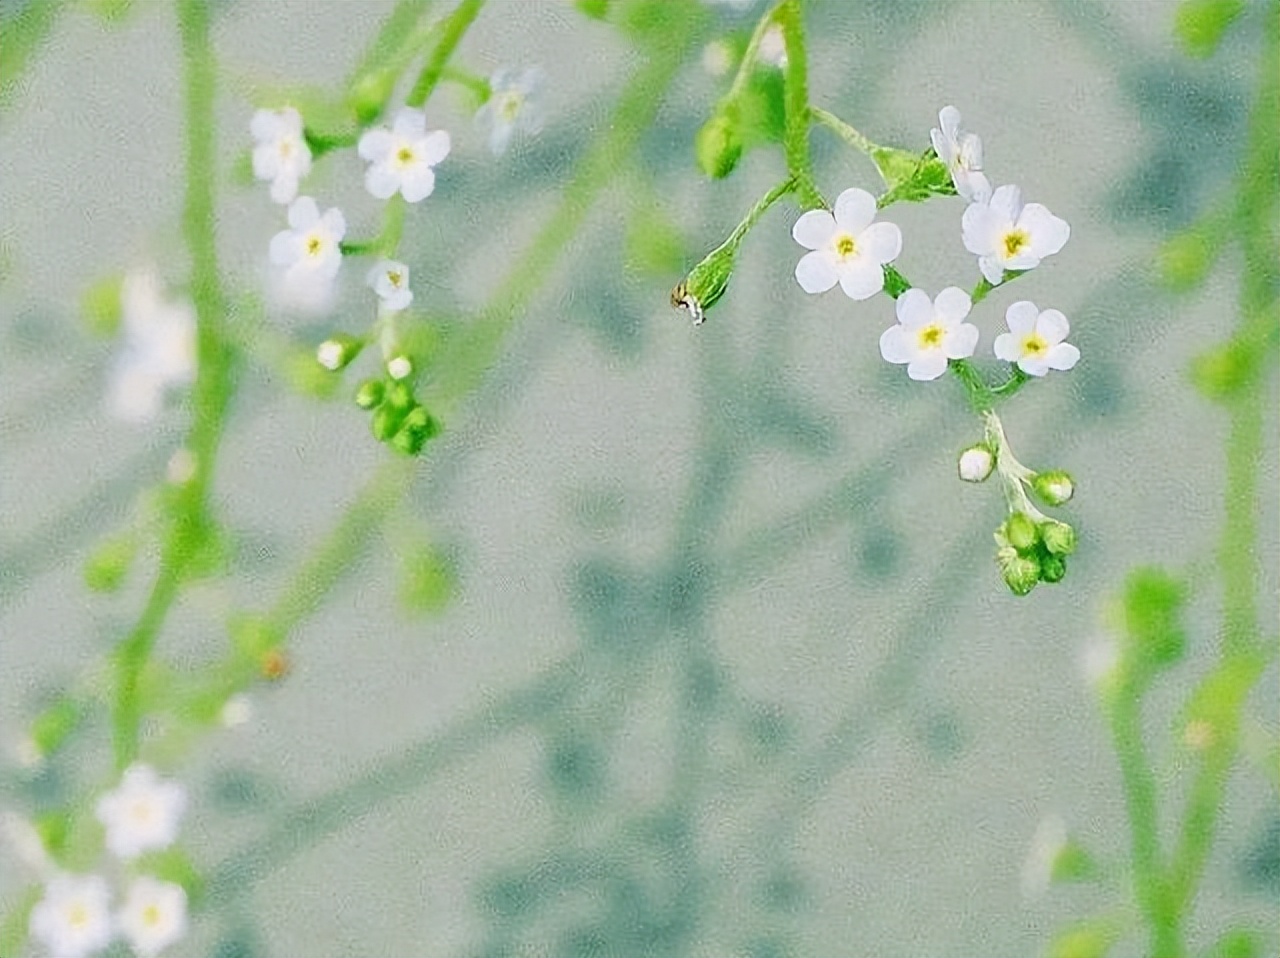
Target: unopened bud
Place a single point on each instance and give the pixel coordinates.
(1020, 529)
(370, 393)
(1054, 488)
(1052, 568)
(1020, 573)
(399, 367)
(337, 352)
(719, 144)
(1059, 538)
(976, 463)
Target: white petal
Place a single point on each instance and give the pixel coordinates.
(398, 300)
(961, 341)
(815, 272)
(980, 227)
(417, 184)
(814, 229)
(895, 345)
(949, 120)
(265, 125)
(303, 213)
(375, 145)
(940, 145)
(433, 147)
(1032, 366)
(1006, 348)
(283, 250)
(928, 365)
(500, 137)
(1053, 326)
(1049, 233)
(335, 223)
(862, 279)
(409, 123)
(855, 210)
(1021, 317)
(952, 305)
(1062, 356)
(266, 162)
(284, 188)
(992, 269)
(1007, 202)
(380, 181)
(881, 242)
(914, 309)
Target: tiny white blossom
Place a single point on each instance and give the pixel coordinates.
(976, 463)
(1005, 234)
(330, 354)
(281, 154)
(1035, 340)
(28, 846)
(390, 280)
(73, 919)
(1100, 661)
(399, 367)
(309, 249)
(154, 915)
(773, 47)
(962, 152)
(1047, 845)
(401, 158)
(847, 247)
(236, 711)
(159, 348)
(143, 813)
(930, 332)
(512, 106)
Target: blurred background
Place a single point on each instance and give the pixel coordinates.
(710, 655)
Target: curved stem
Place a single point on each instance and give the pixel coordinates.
(789, 17)
(842, 129)
(452, 30)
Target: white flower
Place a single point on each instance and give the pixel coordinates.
(1035, 340)
(28, 846)
(154, 915)
(390, 280)
(773, 47)
(962, 152)
(1048, 844)
(976, 463)
(142, 814)
(1100, 661)
(929, 333)
(512, 106)
(1004, 234)
(236, 711)
(73, 919)
(400, 159)
(281, 154)
(309, 248)
(159, 349)
(848, 247)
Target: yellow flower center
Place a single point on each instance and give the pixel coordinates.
(286, 148)
(931, 336)
(1034, 345)
(845, 246)
(77, 915)
(151, 916)
(1015, 241)
(404, 155)
(509, 106)
(141, 812)
(395, 277)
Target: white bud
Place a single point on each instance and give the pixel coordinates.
(330, 354)
(976, 463)
(399, 367)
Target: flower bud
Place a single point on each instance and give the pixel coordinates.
(1053, 488)
(1021, 532)
(1052, 568)
(399, 367)
(370, 393)
(370, 94)
(337, 352)
(976, 463)
(400, 396)
(707, 281)
(1058, 537)
(1020, 573)
(417, 427)
(719, 145)
(386, 421)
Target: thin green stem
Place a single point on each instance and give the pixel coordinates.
(478, 85)
(843, 130)
(790, 17)
(751, 55)
(452, 30)
(758, 209)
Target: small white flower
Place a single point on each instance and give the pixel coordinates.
(1047, 845)
(143, 813)
(976, 463)
(930, 332)
(1035, 340)
(73, 919)
(1004, 234)
(848, 247)
(309, 249)
(236, 711)
(330, 354)
(159, 348)
(1100, 661)
(28, 846)
(281, 154)
(390, 280)
(512, 106)
(399, 367)
(154, 915)
(962, 152)
(401, 158)
(773, 47)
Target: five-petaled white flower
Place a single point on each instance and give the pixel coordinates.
(73, 919)
(401, 158)
(962, 152)
(142, 814)
(1035, 340)
(1004, 234)
(154, 915)
(390, 280)
(281, 154)
(847, 247)
(310, 247)
(159, 349)
(512, 106)
(930, 332)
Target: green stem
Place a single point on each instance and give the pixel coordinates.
(751, 55)
(478, 85)
(975, 387)
(843, 130)
(761, 205)
(789, 17)
(452, 30)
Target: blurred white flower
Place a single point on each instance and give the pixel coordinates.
(962, 152)
(1004, 234)
(773, 47)
(280, 154)
(717, 58)
(154, 915)
(848, 247)
(401, 158)
(1035, 340)
(143, 813)
(512, 106)
(390, 280)
(1047, 845)
(73, 919)
(159, 348)
(309, 250)
(28, 848)
(929, 333)
(236, 711)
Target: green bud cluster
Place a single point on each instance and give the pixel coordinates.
(398, 419)
(1031, 550)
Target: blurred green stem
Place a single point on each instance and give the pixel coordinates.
(790, 17)
(452, 30)
(843, 130)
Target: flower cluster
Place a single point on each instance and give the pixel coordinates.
(74, 917)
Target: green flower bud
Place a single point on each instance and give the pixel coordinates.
(1185, 260)
(1153, 602)
(595, 9)
(54, 725)
(418, 426)
(400, 396)
(976, 463)
(1020, 573)
(370, 95)
(1092, 939)
(719, 144)
(1021, 532)
(1053, 488)
(707, 281)
(1052, 567)
(101, 307)
(386, 421)
(1223, 370)
(1059, 538)
(370, 393)
(337, 352)
(109, 564)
